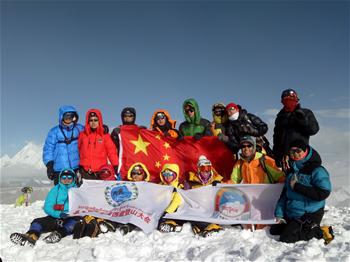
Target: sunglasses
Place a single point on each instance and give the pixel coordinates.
(128, 115)
(93, 120)
(69, 177)
(246, 145)
(137, 173)
(190, 110)
(292, 151)
(219, 112)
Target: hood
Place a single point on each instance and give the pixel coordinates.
(197, 114)
(100, 128)
(73, 184)
(65, 109)
(175, 168)
(219, 119)
(168, 119)
(144, 168)
(131, 109)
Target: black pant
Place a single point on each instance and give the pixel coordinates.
(304, 228)
(48, 224)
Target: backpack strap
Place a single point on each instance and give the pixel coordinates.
(263, 165)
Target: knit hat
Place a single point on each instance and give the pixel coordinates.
(299, 144)
(248, 139)
(203, 161)
(232, 105)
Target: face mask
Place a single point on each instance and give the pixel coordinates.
(289, 104)
(234, 116)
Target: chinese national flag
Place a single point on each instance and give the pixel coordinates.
(154, 150)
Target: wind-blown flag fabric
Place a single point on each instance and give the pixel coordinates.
(154, 150)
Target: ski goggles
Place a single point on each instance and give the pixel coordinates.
(64, 177)
(289, 93)
(204, 168)
(160, 116)
(68, 116)
(168, 173)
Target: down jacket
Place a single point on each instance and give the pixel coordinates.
(58, 195)
(61, 144)
(289, 126)
(96, 147)
(312, 188)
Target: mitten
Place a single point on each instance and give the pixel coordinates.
(50, 171)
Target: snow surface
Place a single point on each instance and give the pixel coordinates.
(232, 244)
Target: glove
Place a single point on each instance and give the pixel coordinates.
(198, 136)
(105, 129)
(300, 114)
(281, 220)
(78, 179)
(64, 215)
(215, 183)
(50, 171)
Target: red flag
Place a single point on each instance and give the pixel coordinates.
(154, 150)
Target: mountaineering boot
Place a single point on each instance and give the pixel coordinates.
(210, 229)
(106, 225)
(197, 230)
(328, 234)
(24, 239)
(54, 237)
(127, 228)
(79, 229)
(169, 226)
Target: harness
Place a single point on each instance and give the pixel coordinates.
(67, 140)
(263, 165)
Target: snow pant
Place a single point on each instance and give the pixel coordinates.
(303, 228)
(48, 224)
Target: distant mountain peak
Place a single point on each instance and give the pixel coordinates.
(29, 155)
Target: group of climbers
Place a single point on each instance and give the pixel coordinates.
(90, 152)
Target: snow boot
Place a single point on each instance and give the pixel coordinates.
(196, 230)
(54, 237)
(127, 228)
(169, 226)
(328, 234)
(24, 239)
(211, 229)
(106, 225)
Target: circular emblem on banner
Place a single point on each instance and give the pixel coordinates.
(231, 202)
(120, 193)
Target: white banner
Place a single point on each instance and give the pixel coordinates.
(138, 203)
(229, 204)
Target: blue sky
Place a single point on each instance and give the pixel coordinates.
(155, 54)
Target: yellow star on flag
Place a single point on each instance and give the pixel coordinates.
(166, 157)
(158, 137)
(158, 164)
(166, 145)
(140, 145)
